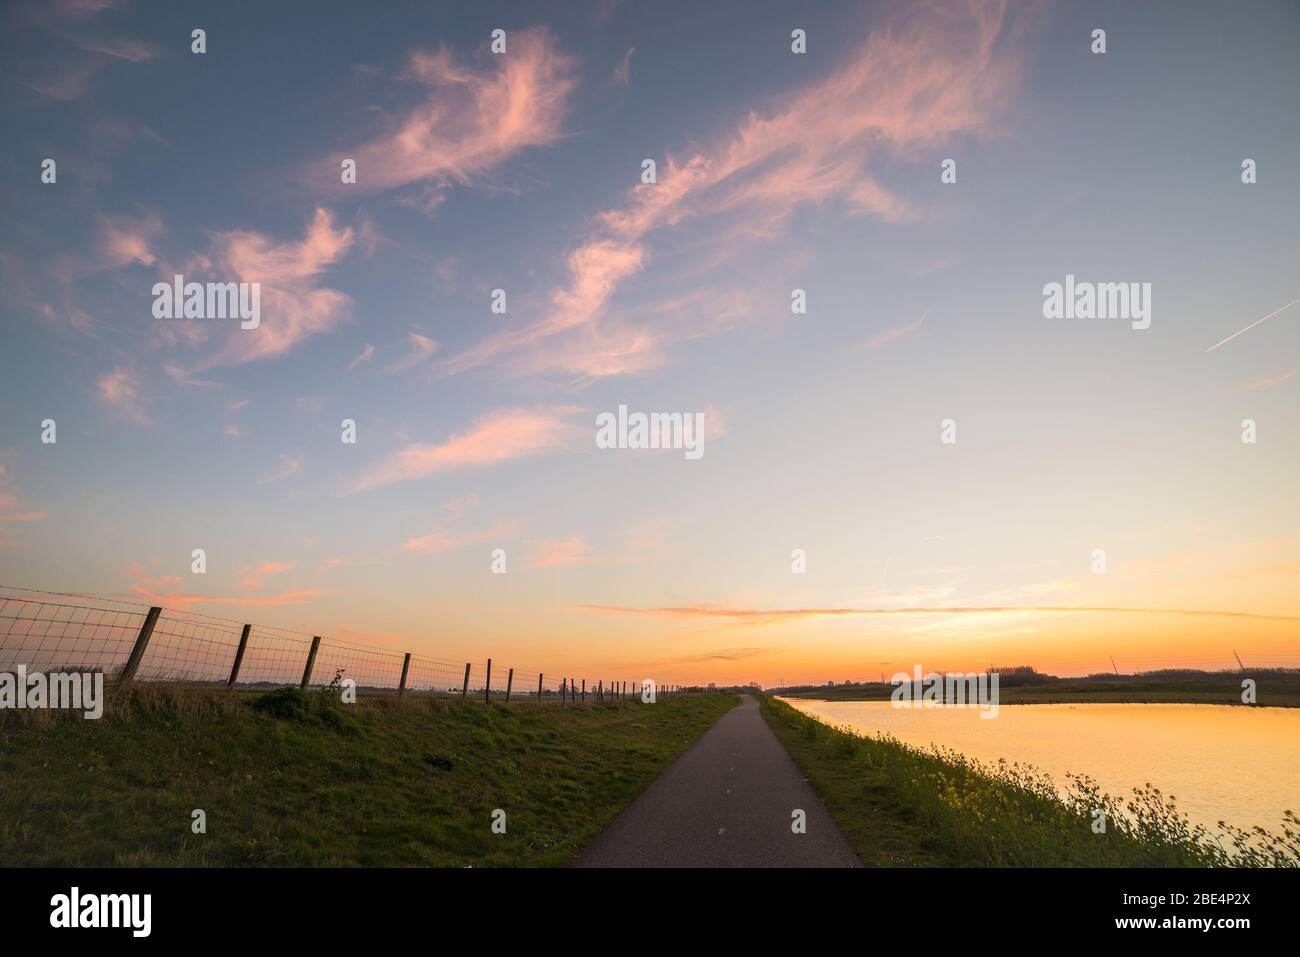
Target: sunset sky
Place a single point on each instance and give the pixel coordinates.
(522, 171)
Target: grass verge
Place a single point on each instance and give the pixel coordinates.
(905, 806)
(291, 778)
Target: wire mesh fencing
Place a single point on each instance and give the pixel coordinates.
(130, 642)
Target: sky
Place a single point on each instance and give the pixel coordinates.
(828, 531)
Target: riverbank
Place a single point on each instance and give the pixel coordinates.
(907, 806)
(290, 778)
(1271, 690)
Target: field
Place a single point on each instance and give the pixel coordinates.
(291, 778)
(903, 806)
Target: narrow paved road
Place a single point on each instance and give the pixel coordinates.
(726, 802)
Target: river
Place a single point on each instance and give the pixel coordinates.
(1237, 764)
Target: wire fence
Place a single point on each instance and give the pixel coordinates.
(129, 642)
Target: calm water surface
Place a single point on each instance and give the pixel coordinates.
(1241, 765)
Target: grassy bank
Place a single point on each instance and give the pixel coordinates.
(290, 778)
(1272, 691)
(902, 806)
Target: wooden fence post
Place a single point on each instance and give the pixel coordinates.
(141, 643)
(539, 687)
(464, 689)
(239, 656)
(510, 680)
(487, 685)
(584, 690)
(311, 660)
(406, 666)
(564, 691)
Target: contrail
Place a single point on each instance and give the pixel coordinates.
(1253, 325)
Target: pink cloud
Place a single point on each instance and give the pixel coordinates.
(253, 574)
(9, 512)
(623, 72)
(178, 600)
(493, 438)
(123, 48)
(1267, 382)
(571, 551)
(125, 240)
(288, 468)
(439, 542)
(294, 306)
(120, 391)
(894, 333)
(69, 76)
(908, 87)
(763, 616)
(421, 347)
(471, 120)
(164, 590)
(635, 544)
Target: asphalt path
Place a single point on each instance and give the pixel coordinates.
(729, 801)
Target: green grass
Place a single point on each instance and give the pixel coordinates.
(296, 779)
(905, 806)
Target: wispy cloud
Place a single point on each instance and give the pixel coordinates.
(638, 543)
(11, 510)
(123, 48)
(288, 468)
(470, 120)
(127, 240)
(421, 347)
(120, 391)
(623, 72)
(496, 437)
(442, 541)
(721, 654)
(181, 600)
(573, 550)
(165, 590)
(895, 333)
(254, 575)
(182, 377)
(63, 76)
(915, 84)
(1257, 385)
(294, 305)
(773, 615)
